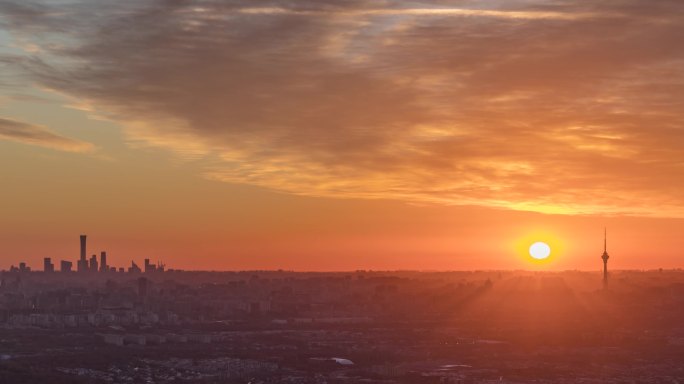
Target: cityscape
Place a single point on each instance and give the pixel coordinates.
(341, 192)
(85, 265)
(152, 325)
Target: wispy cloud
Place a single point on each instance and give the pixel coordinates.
(563, 106)
(31, 134)
(436, 11)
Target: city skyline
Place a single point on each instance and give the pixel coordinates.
(92, 264)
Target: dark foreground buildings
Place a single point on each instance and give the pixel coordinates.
(354, 327)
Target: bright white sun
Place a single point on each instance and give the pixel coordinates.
(540, 250)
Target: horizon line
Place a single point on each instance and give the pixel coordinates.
(173, 270)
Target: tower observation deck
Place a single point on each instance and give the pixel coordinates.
(605, 258)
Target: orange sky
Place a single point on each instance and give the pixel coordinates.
(323, 135)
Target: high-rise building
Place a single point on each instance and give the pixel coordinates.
(82, 265)
(605, 257)
(65, 266)
(83, 247)
(47, 265)
(103, 262)
(134, 268)
(149, 267)
(93, 263)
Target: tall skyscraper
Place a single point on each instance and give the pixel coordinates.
(82, 265)
(83, 247)
(605, 257)
(103, 262)
(93, 264)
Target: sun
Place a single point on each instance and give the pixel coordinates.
(540, 250)
(538, 247)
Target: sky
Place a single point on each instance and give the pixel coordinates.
(343, 135)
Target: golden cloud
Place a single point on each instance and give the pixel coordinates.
(564, 107)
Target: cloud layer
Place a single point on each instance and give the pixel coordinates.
(548, 106)
(38, 135)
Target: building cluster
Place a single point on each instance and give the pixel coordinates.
(92, 265)
(121, 339)
(221, 369)
(99, 318)
(372, 327)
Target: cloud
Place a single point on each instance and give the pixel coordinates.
(38, 135)
(435, 11)
(563, 106)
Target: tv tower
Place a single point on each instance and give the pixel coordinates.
(605, 257)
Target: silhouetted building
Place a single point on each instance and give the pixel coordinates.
(93, 263)
(65, 266)
(605, 257)
(134, 268)
(82, 265)
(83, 247)
(149, 267)
(103, 262)
(47, 265)
(23, 267)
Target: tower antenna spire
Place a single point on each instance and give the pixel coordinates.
(605, 257)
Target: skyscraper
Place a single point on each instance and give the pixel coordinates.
(149, 267)
(65, 266)
(83, 247)
(93, 263)
(134, 268)
(82, 265)
(605, 257)
(103, 262)
(47, 265)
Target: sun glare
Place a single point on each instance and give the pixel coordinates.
(540, 250)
